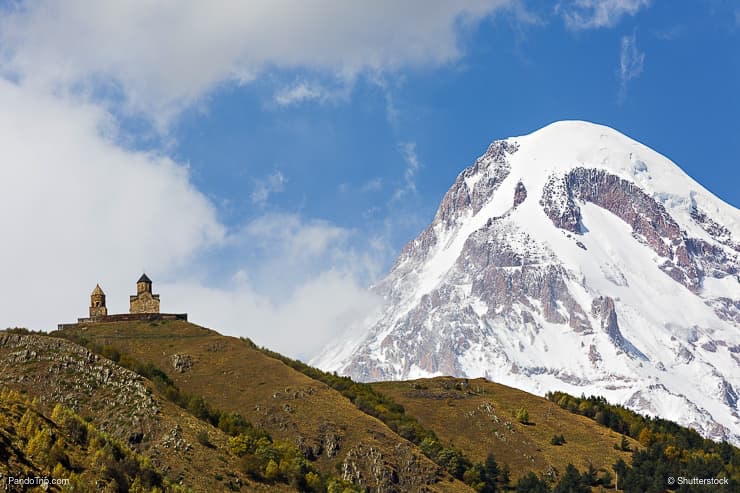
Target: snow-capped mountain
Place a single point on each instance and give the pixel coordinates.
(576, 259)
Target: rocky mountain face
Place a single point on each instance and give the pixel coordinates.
(572, 259)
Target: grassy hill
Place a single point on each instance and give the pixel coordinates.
(480, 417)
(171, 405)
(232, 376)
(124, 406)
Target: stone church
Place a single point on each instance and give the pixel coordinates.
(144, 305)
(144, 301)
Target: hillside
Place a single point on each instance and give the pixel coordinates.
(215, 413)
(62, 451)
(479, 417)
(120, 404)
(232, 376)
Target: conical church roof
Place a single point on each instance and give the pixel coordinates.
(98, 290)
(144, 278)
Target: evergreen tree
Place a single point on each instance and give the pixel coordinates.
(620, 468)
(624, 445)
(530, 483)
(490, 474)
(571, 482)
(589, 476)
(491, 467)
(505, 475)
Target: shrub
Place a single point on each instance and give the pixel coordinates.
(623, 445)
(204, 439)
(272, 470)
(557, 439)
(313, 482)
(522, 415)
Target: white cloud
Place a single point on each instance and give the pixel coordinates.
(289, 236)
(373, 185)
(631, 63)
(592, 14)
(77, 209)
(264, 187)
(300, 93)
(408, 151)
(303, 286)
(162, 56)
(304, 92)
(300, 324)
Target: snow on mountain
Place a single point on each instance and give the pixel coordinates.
(577, 259)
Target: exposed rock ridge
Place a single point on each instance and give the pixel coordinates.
(471, 190)
(93, 376)
(603, 309)
(687, 260)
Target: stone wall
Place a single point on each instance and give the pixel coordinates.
(145, 302)
(126, 317)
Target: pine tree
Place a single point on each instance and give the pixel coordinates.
(530, 483)
(571, 482)
(589, 476)
(490, 474)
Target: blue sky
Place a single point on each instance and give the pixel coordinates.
(344, 159)
(266, 161)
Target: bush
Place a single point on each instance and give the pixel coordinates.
(557, 439)
(522, 415)
(623, 445)
(204, 439)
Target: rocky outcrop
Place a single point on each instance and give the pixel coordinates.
(718, 232)
(366, 465)
(124, 404)
(558, 204)
(686, 260)
(602, 308)
(471, 190)
(520, 194)
(181, 362)
(508, 267)
(473, 187)
(726, 308)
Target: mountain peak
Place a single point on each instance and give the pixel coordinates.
(566, 144)
(576, 259)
